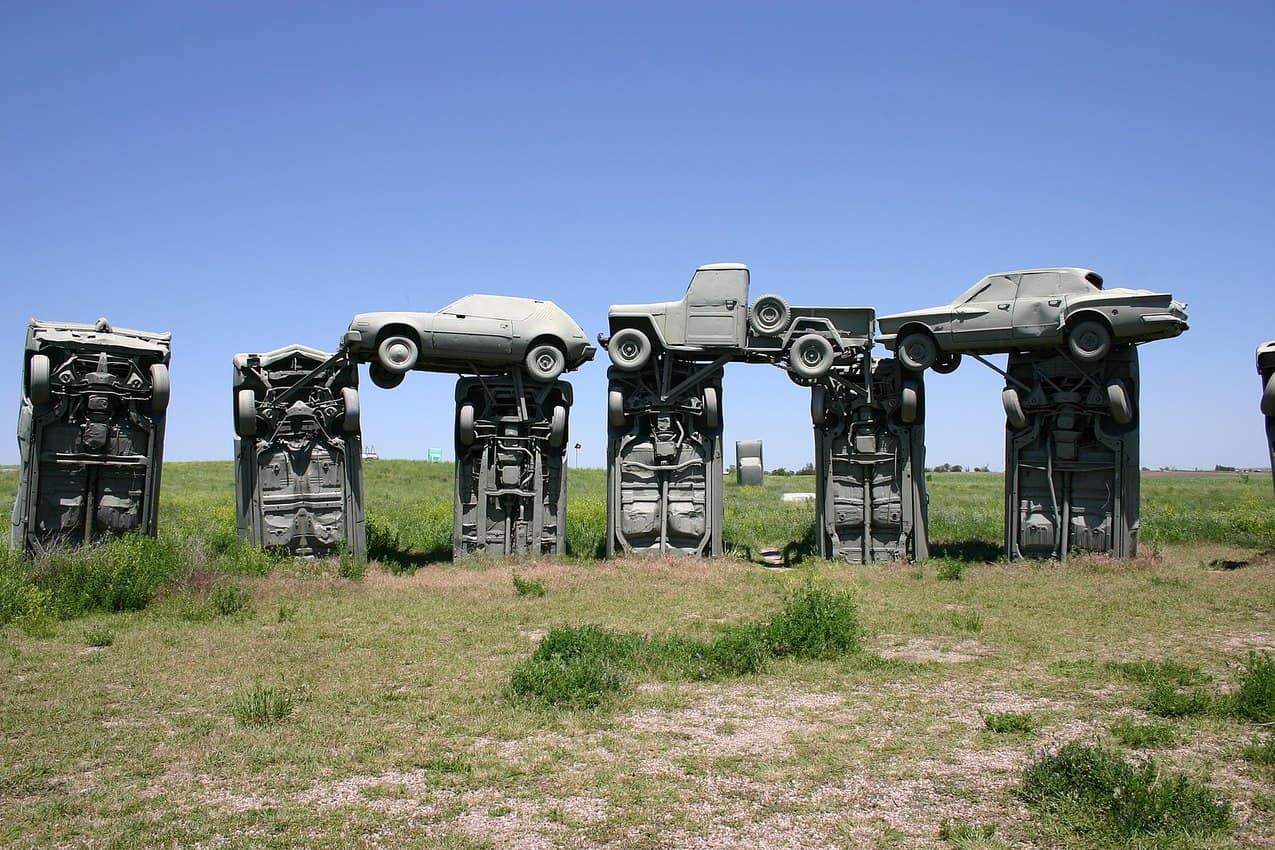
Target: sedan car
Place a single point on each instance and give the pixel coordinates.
(478, 333)
(1034, 308)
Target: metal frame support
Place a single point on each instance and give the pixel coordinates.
(511, 466)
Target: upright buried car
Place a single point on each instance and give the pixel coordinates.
(90, 433)
(478, 333)
(1266, 368)
(1032, 309)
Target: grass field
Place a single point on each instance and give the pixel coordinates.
(258, 703)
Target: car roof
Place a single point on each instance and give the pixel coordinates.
(1079, 271)
(495, 306)
(723, 267)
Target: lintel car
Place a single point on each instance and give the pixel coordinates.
(478, 333)
(1033, 308)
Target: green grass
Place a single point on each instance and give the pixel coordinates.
(1254, 698)
(528, 587)
(1112, 802)
(1010, 722)
(262, 706)
(1141, 736)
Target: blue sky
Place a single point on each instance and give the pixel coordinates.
(251, 175)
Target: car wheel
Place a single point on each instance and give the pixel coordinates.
(712, 408)
(1089, 340)
(909, 403)
(545, 362)
(40, 383)
(246, 413)
(818, 405)
(769, 315)
(465, 424)
(1268, 396)
(159, 387)
(918, 351)
(397, 354)
(947, 362)
(1013, 404)
(811, 356)
(384, 378)
(629, 349)
(615, 409)
(558, 426)
(1118, 402)
(352, 419)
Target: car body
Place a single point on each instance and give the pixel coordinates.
(477, 333)
(90, 434)
(1266, 368)
(714, 320)
(1030, 309)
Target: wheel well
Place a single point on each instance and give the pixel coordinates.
(641, 323)
(551, 340)
(398, 329)
(1087, 315)
(914, 327)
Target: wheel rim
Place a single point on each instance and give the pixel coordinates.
(629, 350)
(918, 350)
(811, 355)
(768, 315)
(546, 361)
(398, 353)
(1089, 340)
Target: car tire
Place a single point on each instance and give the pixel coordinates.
(545, 362)
(909, 403)
(465, 424)
(1089, 340)
(918, 351)
(397, 354)
(1268, 396)
(818, 405)
(160, 387)
(947, 362)
(1118, 402)
(557, 426)
(384, 378)
(769, 316)
(246, 413)
(615, 409)
(629, 349)
(352, 419)
(712, 408)
(40, 381)
(811, 356)
(1015, 418)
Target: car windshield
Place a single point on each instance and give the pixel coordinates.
(991, 288)
(491, 307)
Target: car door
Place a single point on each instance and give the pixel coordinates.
(985, 319)
(1038, 309)
(458, 336)
(716, 304)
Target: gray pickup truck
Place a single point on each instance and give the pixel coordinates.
(714, 321)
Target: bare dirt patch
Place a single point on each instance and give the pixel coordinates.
(923, 650)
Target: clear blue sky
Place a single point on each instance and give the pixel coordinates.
(249, 175)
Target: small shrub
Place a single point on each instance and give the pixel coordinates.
(123, 574)
(98, 636)
(1255, 698)
(228, 598)
(286, 613)
(262, 706)
(1141, 736)
(967, 621)
(815, 623)
(1261, 753)
(19, 596)
(1009, 722)
(1153, 672)
(951, 569)
(1165, 700)
(1101, 796)
(528, 587)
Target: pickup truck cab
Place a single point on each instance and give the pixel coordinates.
(713, 320)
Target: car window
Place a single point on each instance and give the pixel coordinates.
(995, 288)
(1074, 284)
(1039, 285)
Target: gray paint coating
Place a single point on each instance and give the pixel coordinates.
(511, 466)
(1029, 310)
(714, 321)
(869, 426)
(664, 459)
(1072, 478)
(477, 333)
(298, 452)
(1266, 368)
(90, 433)
(750, 470)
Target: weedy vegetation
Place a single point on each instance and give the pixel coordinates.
(1010, 722)
(1142, 736)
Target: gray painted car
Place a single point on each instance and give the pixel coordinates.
(1266, 368)
(478, 333)
(1032, 309)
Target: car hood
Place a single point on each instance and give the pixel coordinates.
(895, 319)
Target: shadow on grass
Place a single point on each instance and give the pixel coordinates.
(970, 551)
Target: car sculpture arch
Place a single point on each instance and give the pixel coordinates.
(1266, 368)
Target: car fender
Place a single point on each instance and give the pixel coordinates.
(642, 320)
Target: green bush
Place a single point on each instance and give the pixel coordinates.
(1141, 736)
(576, 667)
(20, 598)
(1255, 698)
(123, 574)
(1101, 796)
(350, 567)
(815, 623)
(1261, 753)
(1009, 722)
(528, 587)
(228, 598)
(98, 636)
(1155, 672)
(1165, 700)
(950, 569)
